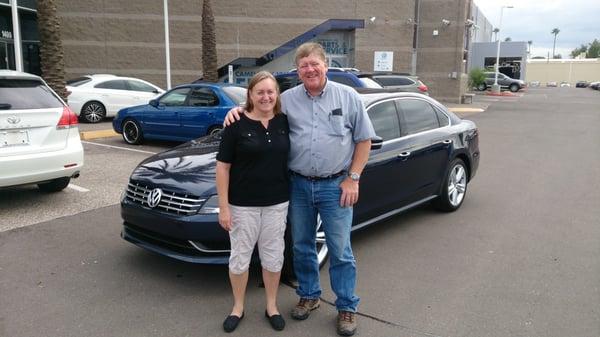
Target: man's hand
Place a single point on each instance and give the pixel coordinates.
(349, 192)
(233, 115)
(225, 218)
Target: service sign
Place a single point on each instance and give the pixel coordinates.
(383, 61)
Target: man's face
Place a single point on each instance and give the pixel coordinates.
(312, 71)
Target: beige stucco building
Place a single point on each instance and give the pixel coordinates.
(563, 70)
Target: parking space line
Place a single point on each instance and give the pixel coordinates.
(118, 147)
(77, 188)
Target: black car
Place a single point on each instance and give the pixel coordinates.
(581, 84)
(424, 153)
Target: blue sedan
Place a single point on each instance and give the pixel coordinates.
(183, 113)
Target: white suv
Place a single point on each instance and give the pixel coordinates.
(39, 136)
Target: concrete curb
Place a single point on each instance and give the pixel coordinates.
(465, 110)
(87, 135)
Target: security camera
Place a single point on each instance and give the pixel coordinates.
(469, 23)
(372, 19)
(445, 22)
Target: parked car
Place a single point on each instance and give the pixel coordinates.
(93, 97)
(39, 135)
(595, 85)
(564, 84)
(183, 113)
(348, 77)
(402, 82)
(424, 153)
(504, 81)
(534, 83)
(552, 84)
(581, 84)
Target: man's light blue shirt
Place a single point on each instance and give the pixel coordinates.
(325, 128)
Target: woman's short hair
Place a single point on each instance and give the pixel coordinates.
(258, 77)
(309, 48)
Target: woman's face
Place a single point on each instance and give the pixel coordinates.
(264, 95)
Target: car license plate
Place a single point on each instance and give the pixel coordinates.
(14, 138)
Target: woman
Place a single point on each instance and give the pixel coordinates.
(252, 183)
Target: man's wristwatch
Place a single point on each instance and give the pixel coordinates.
(354, 176)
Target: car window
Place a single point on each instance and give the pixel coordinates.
(370, 83)
(342, 79)
(114, 84)
(490, 75)
(75, 82)
(175, 97)
(390, 81)
(384, 118)
(442, 118)
(203, 97)
(287, 82)
(237, 94)
(26, 94)
(140, 86)
(418, 116)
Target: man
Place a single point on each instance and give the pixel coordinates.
(330, 137)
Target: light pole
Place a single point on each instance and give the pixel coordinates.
(167, 44)
(496, 87)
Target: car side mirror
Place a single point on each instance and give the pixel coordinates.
(155, 91)
(376, 143)
(153, 102)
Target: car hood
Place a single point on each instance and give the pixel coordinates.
(187, 169)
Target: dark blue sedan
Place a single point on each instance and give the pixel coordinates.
(183, 113)
(424, 153)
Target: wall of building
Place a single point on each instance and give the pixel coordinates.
(513, 50)
(567, 70)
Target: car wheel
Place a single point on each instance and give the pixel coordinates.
(481, 86)
(322, 250)
(454, 188)
(132, 132)
(514, 87)
(55, 185)
(213, 130)
(93, 112)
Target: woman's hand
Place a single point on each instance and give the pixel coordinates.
(225, 218)
(233, 115)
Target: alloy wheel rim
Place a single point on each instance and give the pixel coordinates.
(322, 249)
(131, 132)
(93, 112)
(457, 185)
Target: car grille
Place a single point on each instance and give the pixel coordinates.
(171, 202)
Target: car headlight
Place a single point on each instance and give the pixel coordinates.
(210, 206)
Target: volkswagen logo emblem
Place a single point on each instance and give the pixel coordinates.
(13, 119)
(154, 197)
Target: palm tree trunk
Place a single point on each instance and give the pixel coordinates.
(51, 50)
(209, 43)
(554, 46)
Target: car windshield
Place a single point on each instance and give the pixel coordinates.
(75, 82)
(26, 94)
(237, 94)
(369, 83)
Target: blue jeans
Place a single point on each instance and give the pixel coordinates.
(307, 199)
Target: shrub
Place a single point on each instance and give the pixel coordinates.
(476, 77)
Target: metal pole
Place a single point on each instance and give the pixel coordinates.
(496, 87)
(167, 45)
(16, 35)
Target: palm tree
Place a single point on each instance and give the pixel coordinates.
(554, 31)
(209, 43)
(51, 50)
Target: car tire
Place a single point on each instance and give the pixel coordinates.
(93, 112)
(132, 132)
(322, 250)
(55, 185)
(514, 87)
(213, 130)
(481, 87)
(454, 188)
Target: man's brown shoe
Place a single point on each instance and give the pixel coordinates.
(302, 310)
(346, 323)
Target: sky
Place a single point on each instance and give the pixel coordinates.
(577, 20)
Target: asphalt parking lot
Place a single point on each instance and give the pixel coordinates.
(520, 258)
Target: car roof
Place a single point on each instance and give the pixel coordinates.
(13, 74)
(369, 98)
(214, 85)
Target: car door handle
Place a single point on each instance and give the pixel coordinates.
(404, 154)
(447, 141)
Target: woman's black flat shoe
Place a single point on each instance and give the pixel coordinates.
(231, 322)
(277, 321)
